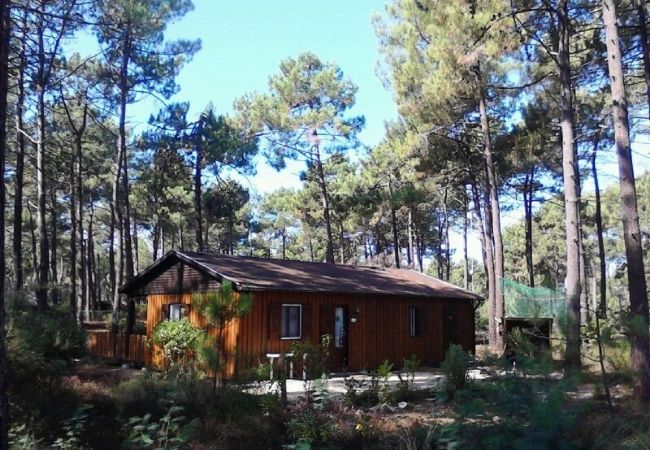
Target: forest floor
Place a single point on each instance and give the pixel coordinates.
(498, 409)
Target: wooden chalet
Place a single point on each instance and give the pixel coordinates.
(371, 313)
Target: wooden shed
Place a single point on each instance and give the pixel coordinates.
(372, 314)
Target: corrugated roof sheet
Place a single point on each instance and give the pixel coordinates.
(257, 274)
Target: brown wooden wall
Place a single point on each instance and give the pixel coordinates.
(381, 332)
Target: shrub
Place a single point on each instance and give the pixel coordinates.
(178, 339)
(455, 368)
(74, 429)
(171, 431)
(314, 356)
(141, 395)
(42, 347)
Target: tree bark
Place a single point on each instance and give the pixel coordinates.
(41, 184)
(465, 227)
(571, 188)
(598, 218)
(492, 186)
(409, 230)
(120, 182)
(329, 254)
(5, 34)
(640, 345)
(198, 200)
(393, 221)
(528, 217)
(645, 51)
(488, 260)
(17, 242)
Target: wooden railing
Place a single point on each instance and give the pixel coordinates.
(104, 344)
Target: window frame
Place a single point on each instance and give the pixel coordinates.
(414, 321)
(300, 309)
(182, 311)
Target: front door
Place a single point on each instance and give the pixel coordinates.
(450, 331)
(334, 323)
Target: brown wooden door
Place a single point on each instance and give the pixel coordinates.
(334, 322)
(450, 328)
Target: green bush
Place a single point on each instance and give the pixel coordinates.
(455, 368)
(141, 395)
(171, 431)
(178, 340)
(42, 347)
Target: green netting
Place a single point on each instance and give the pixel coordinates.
(523, 301)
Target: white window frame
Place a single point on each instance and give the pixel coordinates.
(289, 338)
(180, 311)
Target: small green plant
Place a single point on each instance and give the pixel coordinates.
(141, 395)
(455, 368)
(22, 438)
(178, 339)
(384, 371)
(353, 386)
(73, 428)
(314, 356)
(169, 432)
(407, 375)
(219, 308)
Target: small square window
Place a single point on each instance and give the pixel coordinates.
(176, 311)
(291, 324)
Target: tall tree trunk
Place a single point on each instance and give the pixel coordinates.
(465, 226)
(5, 24)
(80, 220)
(198, 200)
(409, 230)
(17, 242)
(120, 195)
(499, 306)
(75, 306)
(54, 249)
(329, 254)
(393, 222)
(571, 188)
(342, 244)
(488, 260)
(34, 245)
(645, 51)
(529, 184)
(598, 218)
(41, 186)
(640, 345)
(122, 152)
(447, 246)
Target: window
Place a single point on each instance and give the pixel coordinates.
(176, 311)
(339, 327)
(291, 325)
(414, 321)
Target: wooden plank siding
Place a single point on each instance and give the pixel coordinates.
(381, 331)
(104, 344)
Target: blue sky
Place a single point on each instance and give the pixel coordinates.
(243, 43)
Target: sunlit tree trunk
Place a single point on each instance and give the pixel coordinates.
(17, 241)
(495, 210)
(640, 345)
(598, 218)
(571, 188)
(5, 24)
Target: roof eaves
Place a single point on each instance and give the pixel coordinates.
(199, 266)
(451, 285)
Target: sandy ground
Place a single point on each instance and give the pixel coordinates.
(336, 382)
